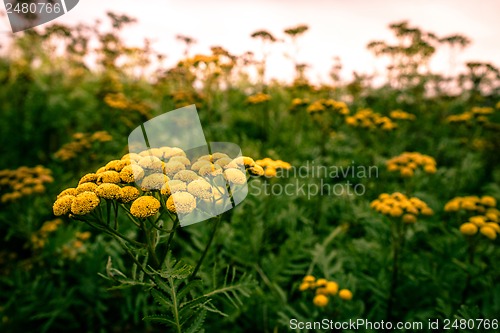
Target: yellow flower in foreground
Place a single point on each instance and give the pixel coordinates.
(235, 176)
(108, 191)
(153, 182)
(320, 300)
(90, 187)
(90, 177)
(200, 188)
(62, 205)
(488, 231)
(181, 203)
(468, 229)
(345, 294)
(186, 176)
(84, 203)
(145, 206)
(173, 186)
(108, 177)
(128, 193)
(131, 173)
(210, 170)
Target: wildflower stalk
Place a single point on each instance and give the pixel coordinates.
(210, 240)
(397, 248)
(170, 237)
(471, 248)
(150, 245)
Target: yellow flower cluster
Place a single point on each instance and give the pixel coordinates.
(330, 105)
(258, 98)
(401, 115)
(471, 203)
(270, 167)
(39, 238)
(155, 178)
(367, 118)
(298, 103)
(81, 142)
(23, 181)
(324, 289)
(478, 114)
(408, 162)
(398, 205)
(487, 225)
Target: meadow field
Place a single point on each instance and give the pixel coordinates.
(367, 202)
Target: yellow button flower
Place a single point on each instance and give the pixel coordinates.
(131, 173)
(108, 191)
(332, 287)
(200, 188)
(145, 206)
(84, 203)
(345, 294)
(90, 187)
(468, 229)
(488, 231)
(181, 203)
(235, 176)
(128, 193)
(62, 205)
(320, 300)
(488, 201)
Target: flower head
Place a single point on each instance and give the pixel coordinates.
(62, 205)
(173, 186)
(108, 191)
(235, 176)
(84, 203)
(488, 231)
(131, 173)
(90, 187)
(345, 294)
(320, 300)
(90, 177)
(181, 203)
(468, 229)
(200, 188)
(186, 176)
(145, 206)
(153, 182)
(108, 177)
(128, 193)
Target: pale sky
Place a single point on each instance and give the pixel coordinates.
(337, 28)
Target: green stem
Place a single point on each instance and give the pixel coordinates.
(397, 241)
(151, 248)
(170, 237)
(470, 251)
(115, 205)
(203, 255)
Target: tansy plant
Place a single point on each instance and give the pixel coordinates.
(478, 230)
(157, 191)
(401, 212)
(324, 290)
